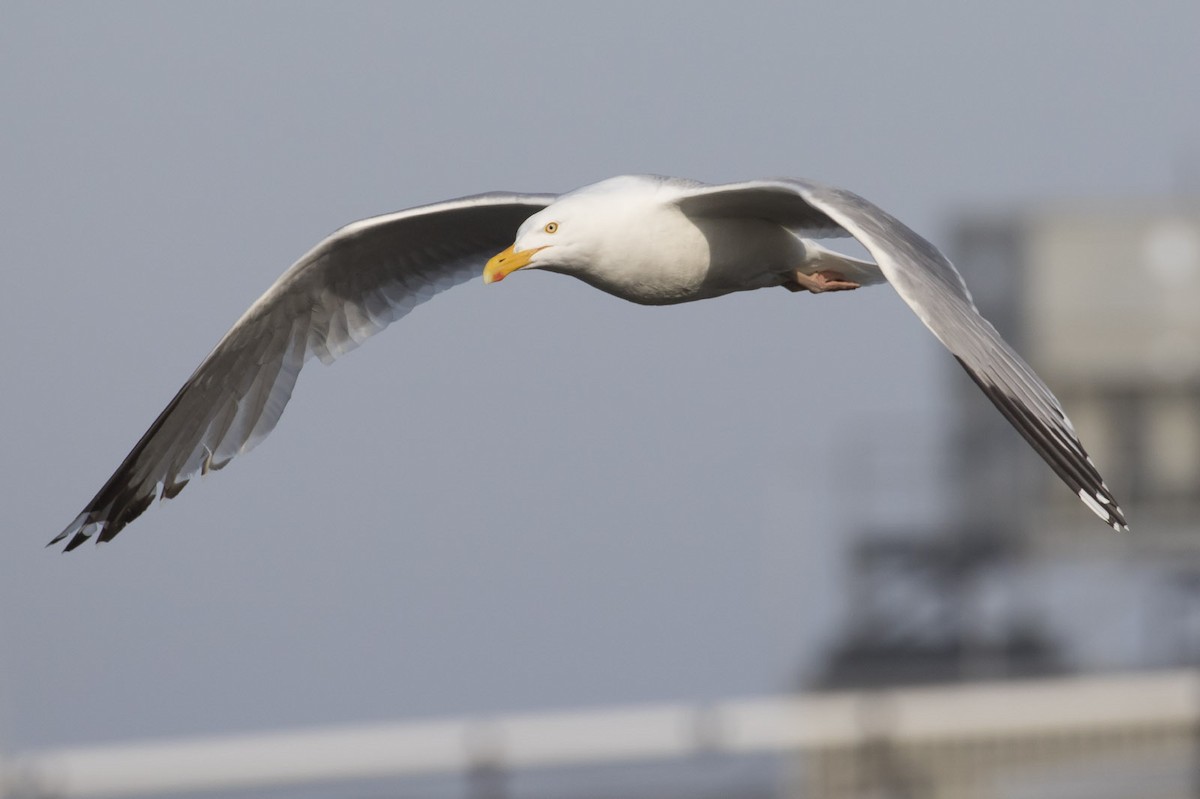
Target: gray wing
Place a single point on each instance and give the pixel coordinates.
(764, 199)
(933, 288)
(347, 288)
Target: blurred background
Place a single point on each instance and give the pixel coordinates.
(537, 542)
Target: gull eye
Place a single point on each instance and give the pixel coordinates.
(550, 227)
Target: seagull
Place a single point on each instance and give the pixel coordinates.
(644, 238)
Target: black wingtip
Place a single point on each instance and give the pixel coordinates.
(79, 538)
(1104, 505)
(76, 528)
(1059, 447)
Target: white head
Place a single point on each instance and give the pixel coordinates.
(569, 234)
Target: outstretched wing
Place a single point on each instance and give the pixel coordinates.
(347, 288)
(933, 288)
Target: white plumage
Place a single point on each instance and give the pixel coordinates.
(646, 239)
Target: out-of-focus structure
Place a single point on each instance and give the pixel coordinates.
(948, 741)
(1105, 300)
(1012, 581)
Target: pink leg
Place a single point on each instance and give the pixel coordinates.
(818, 282)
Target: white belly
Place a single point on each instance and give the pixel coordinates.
(684, 259)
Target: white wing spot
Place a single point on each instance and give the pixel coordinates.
(1096, 507)
(1101, 498)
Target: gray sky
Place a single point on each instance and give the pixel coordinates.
(525, 496)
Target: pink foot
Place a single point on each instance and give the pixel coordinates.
(818, 282)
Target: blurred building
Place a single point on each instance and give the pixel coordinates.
(1104, 301)
(1017, 578)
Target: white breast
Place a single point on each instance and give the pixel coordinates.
(663, 257)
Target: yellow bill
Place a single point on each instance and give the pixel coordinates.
(502, 264)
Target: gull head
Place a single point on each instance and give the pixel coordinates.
(579, 231)
(555, 238)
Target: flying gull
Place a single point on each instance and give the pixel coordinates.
(647, 239)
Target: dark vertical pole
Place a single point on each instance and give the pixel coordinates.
(487, 781)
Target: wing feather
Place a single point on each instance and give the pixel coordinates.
(935, 291)
(761, 199)
(346, 289)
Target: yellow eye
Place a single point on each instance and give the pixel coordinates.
(551, 227)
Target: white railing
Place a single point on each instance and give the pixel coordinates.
(660, 732)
